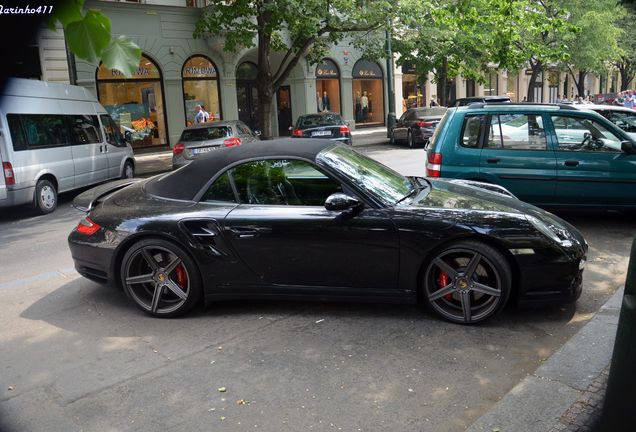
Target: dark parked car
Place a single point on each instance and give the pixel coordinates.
(313, 219)
(327, 125)
(416, 126)
(204, 137)
(476, 99)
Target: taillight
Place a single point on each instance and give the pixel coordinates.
(297, 133)
(423, 123)
(231, 142)
(434, 165)
(9, 176)
(87, 226)
(344, 130)
(178, 149)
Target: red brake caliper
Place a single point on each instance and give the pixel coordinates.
(181, 277)
(442, 281)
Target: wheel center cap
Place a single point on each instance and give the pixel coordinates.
(162, 277)
(462, 284)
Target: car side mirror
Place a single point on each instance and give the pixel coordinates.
(291, 128)
(339, 202)
(628, 147)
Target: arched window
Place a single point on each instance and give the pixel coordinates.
(135, 102)
(368, 93)
(328, 86)
(200, 87)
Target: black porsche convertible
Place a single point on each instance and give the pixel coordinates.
(318, 220)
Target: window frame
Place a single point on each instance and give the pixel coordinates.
(483, 120)
(609, 126)
(28, 145)
(520, 113)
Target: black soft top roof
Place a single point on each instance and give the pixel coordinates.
(186, 182)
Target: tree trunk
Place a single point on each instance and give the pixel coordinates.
(627, 75)
(265, 79)
(536, 69)
(580, 85)
(443, 84)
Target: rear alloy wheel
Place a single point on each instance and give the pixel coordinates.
(467, 282)
(160, 278)
(409, 139)
(45, 197)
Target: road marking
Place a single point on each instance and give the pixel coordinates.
(65, 273)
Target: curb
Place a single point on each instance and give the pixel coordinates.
(541, 400)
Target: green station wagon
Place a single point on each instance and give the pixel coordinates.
(548, 155)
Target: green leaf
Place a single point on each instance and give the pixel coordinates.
(67, 12)
(88, 37)
(122, 54)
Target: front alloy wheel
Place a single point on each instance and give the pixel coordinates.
(467, 282)
(160, 278)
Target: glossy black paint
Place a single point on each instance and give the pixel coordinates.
(329, 128)
(416, 126)
(310, 252)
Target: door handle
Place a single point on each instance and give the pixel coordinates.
(101, 149)
(571, 163)
(244, 232)
(492, 160)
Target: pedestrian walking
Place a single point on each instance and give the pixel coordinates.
(628, 101)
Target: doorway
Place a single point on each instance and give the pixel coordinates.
(283, 103)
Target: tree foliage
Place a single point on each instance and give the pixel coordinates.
(295, 29)
(626, 61)
(88, 36)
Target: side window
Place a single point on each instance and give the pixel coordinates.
(283, 182)
(44, 130)
(220, 191)
(517, 132)
(471, 131)
(85, 129)
(579, 134)
(113, 136)
(17, 134)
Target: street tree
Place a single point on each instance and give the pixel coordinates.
(447, 38)
(596, 44)
(626, 61)
(297, 29)
(533, 34)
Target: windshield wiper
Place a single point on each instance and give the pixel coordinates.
(417, 188)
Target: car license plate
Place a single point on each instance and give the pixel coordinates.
(321, 133)
(202, 150)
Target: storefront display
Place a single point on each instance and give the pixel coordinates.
(412, 96)
(200, 87)
(368, 93)
(135, 102)
(328, 87)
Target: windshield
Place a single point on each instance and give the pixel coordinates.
(203, 134)
(319, 120)
(376, 179)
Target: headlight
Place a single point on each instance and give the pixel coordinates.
(548, 231)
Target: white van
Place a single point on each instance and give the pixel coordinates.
(55, 138)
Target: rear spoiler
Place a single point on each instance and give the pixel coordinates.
(86, 200)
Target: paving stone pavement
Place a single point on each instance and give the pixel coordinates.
(584, 414)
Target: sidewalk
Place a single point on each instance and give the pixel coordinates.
(566, 393)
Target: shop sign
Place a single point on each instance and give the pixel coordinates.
(326, 71)
(366, 70)
(199, 72)
(140, 72)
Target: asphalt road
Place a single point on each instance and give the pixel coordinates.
(79, 356)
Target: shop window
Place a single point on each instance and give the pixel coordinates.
(200, 87)
(328, 87)
(135, 102)
(368, 93)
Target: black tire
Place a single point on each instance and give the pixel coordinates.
(467, 282)
(44, 197)
(160, 278)
(128, 171)
(392, 138)
(409, 139)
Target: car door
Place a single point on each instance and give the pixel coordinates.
(591, 167)
(283, 232)
(399, 132)
(516, 155)
(89, 156)
(115, 148)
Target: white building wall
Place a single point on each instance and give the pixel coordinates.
(53, 60)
